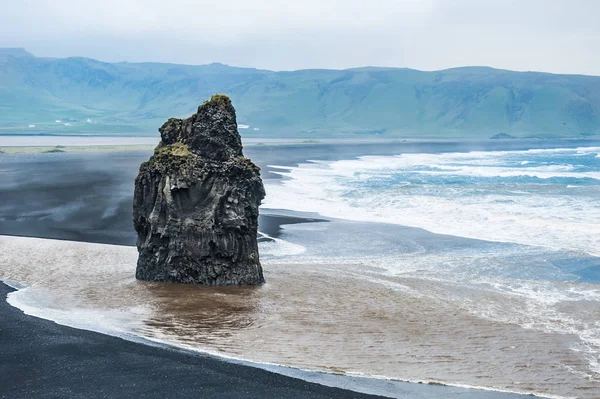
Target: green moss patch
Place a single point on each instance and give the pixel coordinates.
(218, 100)
(175, 149)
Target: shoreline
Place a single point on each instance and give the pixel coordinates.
(311, 383)
(270, 227)
(366, 384)
(42, 358)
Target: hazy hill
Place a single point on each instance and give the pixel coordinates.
(137, 98)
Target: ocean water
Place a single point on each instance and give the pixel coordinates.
(546, 198)
(476, 269)
(541, 208)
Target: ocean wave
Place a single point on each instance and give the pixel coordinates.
(277, 247)
(414, 190)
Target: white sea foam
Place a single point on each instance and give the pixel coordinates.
(530, 214)
(372, 188)
(105, 321)
(277, 247)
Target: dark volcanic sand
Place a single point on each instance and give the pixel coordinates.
(80, 197)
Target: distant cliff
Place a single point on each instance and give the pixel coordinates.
(127, 98)
(196, 200)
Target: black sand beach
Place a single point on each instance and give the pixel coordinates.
(41, 359)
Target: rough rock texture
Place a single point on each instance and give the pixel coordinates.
(196, 200)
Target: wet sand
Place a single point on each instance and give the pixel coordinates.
(41, 359)
(91, 286)
(325, 317)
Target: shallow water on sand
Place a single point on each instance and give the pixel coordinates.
(336, 317)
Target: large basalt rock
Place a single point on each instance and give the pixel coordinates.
(196, 200)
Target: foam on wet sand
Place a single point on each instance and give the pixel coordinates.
(322, 317)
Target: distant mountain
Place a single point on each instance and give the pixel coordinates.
(16, 52)
(80, 95)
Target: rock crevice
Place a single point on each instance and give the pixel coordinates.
(196, 203)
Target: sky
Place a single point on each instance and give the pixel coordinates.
(559, 36)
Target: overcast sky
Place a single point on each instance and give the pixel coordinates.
(561, 36)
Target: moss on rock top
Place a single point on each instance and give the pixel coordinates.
(219, 100)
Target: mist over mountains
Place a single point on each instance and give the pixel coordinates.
(86, 96)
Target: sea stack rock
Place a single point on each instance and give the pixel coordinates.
(195, 205)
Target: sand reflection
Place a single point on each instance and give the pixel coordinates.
(197, 314)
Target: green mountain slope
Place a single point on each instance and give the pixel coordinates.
(127, 98)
